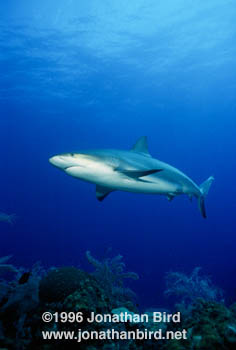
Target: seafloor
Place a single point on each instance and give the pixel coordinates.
(68, 291)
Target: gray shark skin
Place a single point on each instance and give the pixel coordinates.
(134, 170)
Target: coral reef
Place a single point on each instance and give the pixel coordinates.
(111, 275)
(19, 301)
(59, 283)
(111, 270)
(210, 325)
(6, 269)
(30, 293)
(189, 288)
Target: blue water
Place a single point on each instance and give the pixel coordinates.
(100, 75)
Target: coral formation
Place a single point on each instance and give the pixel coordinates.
(59, 283)
(189, 288)
(210, 325)
(5, 269)
(110, 274)
(16, 306)
(27, 295)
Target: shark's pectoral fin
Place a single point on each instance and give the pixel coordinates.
(136, 174)
(102, 192)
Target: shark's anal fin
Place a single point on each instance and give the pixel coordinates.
(141, 146)
(136, 174)
(102, 192)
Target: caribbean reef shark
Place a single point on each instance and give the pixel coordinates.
(134, 170)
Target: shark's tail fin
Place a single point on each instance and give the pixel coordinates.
(204, 188)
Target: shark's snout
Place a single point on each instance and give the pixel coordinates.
(64, 161)
(58, 161)
(53, 160)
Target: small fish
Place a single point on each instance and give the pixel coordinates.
(8, 218)
(24, 278)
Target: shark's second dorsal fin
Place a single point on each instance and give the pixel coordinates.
(141, 146)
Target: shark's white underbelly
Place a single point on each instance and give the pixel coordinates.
(107, 177)
(144, 185)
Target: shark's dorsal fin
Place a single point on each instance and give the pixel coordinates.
(102, 192)
(141, 146)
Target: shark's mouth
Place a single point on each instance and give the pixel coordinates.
(72, 167)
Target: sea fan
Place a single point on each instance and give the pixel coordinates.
(189, 288)
(110, 273)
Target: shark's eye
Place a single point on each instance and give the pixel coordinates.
(72, 154)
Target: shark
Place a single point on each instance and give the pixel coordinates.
(8, 218)
(133, 170)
